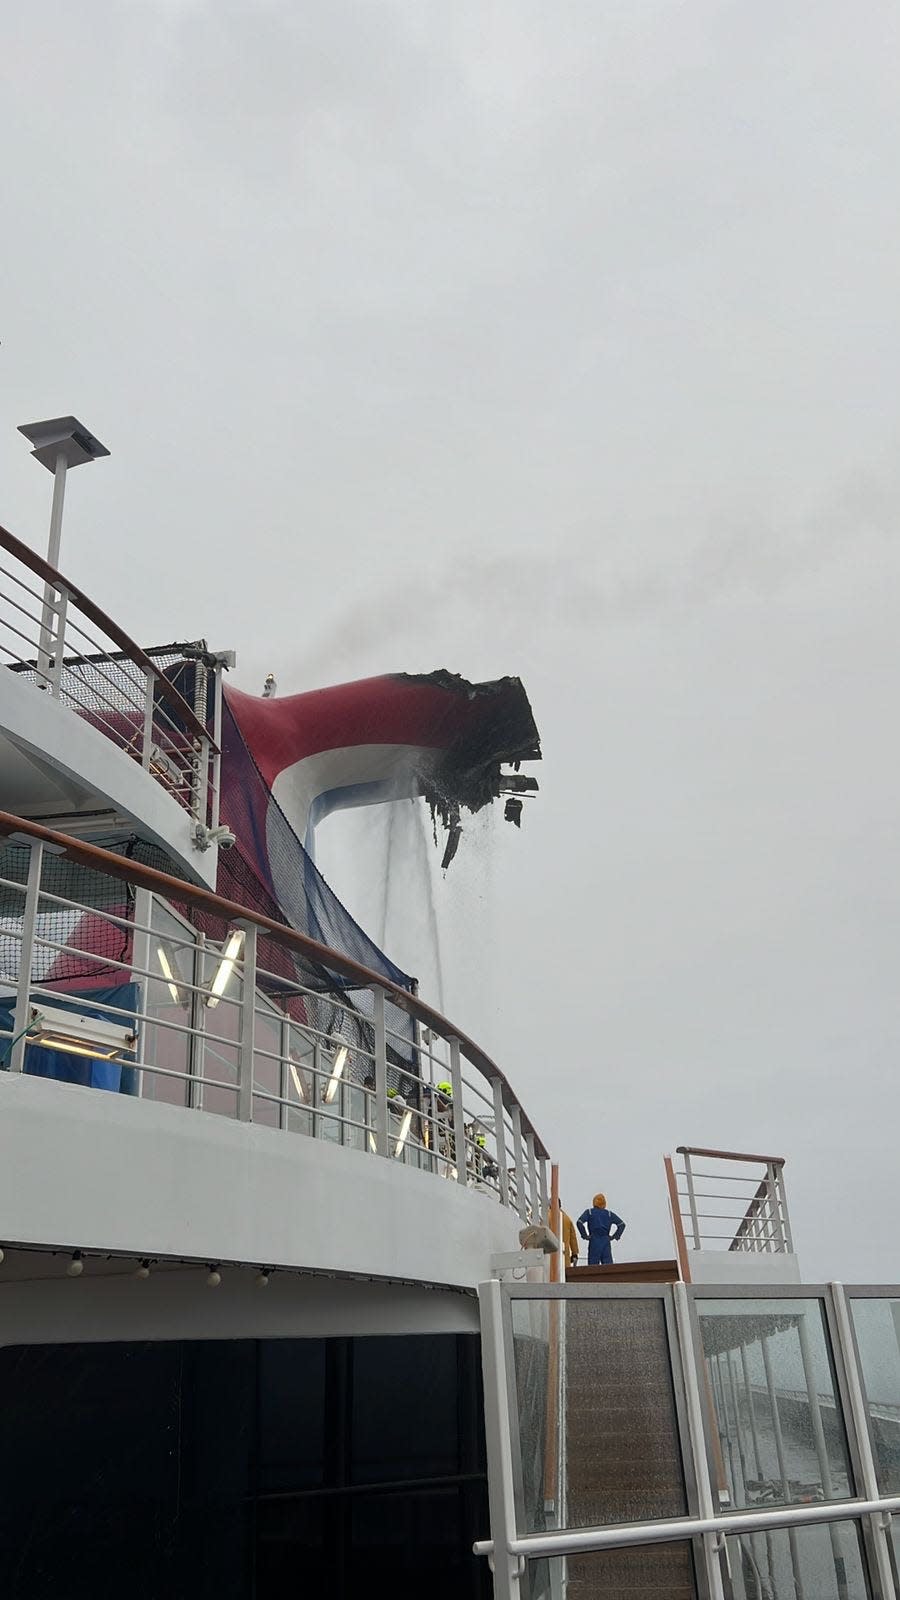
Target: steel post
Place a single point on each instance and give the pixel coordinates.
(859, 1417)
(500, 1141)
(697, 1436)
(460, 1147)
(26, 955)
(381, 1105)
(248, 1024)
(507, 1568)
(518, 1156)
(533, 1177)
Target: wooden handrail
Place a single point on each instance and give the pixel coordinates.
(729, 1155)
(162, 883)
(681, 1248)
(42, 569)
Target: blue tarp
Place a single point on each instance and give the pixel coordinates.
(116, 1076)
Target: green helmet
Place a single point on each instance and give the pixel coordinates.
(444, 1088)
(480, 1140)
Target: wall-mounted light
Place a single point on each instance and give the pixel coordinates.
(341, 1053)
(76, 1266)
(213, 1278)
(143, 1271)
(226, 967)
(168, 966)
(403, 1135)
(77, 1035)
(262, 1277)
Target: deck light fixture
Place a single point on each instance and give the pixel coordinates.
(168, 964)
(76, 1266)
(59, 443)
(262, 1277)
(213, 1278)
(341, 1053)
(143, 1271)
(403, 1135)
(297, 1081)
(77, 1035)
(226, 967)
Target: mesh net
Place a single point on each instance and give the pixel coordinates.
(267, 871)
(98, 950)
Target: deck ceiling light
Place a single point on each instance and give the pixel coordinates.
(226, 967)
(77, 1035)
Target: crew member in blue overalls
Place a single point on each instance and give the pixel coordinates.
(596, 1226)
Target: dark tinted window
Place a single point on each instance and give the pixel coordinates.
(232, 1470)
(405, 1400)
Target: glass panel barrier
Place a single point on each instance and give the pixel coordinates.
(817, 1563)
(594, 1412)
(876, 1324)
(769, 1379)
(665, 1571)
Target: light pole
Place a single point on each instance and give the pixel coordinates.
(59, 443)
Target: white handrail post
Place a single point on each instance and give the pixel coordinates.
(532, 1176)
(284, 1050)
(141, 960)
(198, 1015)
(217, 755)
(692, 1200)
(26, 955)
(545, 1193)
(459, 1115)
(860, 1419)
(518, 1155)
(248, 1024)
(785, 1219)
(697, 1436)
(500, 1141)
(381, 1105)
(779, 1243)
(199, 766)
(147, 731)
(501, 1480)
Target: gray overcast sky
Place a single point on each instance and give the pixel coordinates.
(558, 339)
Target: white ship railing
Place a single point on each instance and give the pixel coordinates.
(55, 636)
(260, 1024)
(731, 1201)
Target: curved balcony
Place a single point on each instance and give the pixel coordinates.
(252, 1094)
(87, 718)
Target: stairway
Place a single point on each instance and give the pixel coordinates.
(622, 1450)
(626, 1272)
